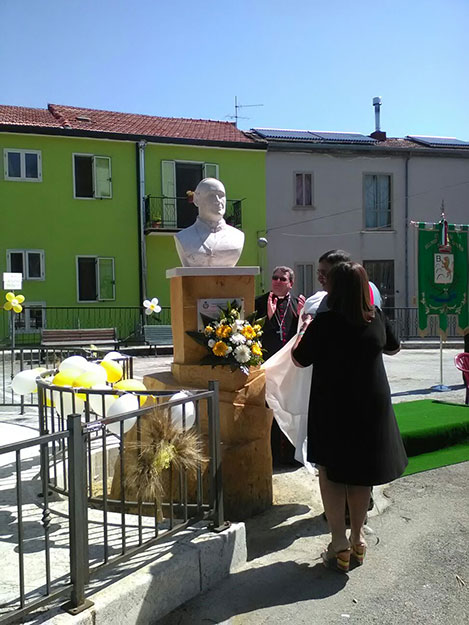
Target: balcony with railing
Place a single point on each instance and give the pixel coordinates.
(170, 214)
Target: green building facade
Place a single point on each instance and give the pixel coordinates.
(89, 207)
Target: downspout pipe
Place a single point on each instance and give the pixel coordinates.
(141, 145)
(406, 225)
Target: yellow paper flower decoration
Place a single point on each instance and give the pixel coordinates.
(13, 302)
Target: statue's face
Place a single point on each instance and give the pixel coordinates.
(210, 199)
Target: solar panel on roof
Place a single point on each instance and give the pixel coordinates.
(274, 133)
(314, 136)
(344, 137)
(439, 141)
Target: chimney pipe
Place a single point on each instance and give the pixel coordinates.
(377, 105)
(378, 133)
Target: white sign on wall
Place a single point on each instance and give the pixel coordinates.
(12, 281)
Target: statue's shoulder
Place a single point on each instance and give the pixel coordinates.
(234, 232)
(187, 234)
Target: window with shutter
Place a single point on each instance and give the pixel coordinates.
(168, 184)
(95, 279)
(92, 176)
(211, 170)
(106, 291)
(102, 177)
(377, 200)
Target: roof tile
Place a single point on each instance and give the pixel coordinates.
(85, 119)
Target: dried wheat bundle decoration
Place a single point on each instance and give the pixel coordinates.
(165, 446)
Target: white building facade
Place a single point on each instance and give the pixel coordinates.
(359, 194)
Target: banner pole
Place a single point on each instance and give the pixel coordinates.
(441, 387)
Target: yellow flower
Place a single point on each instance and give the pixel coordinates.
(248, 332)
(164, 457)
(208, 330)
(256, 328)
(256, 349)
(14, 302)
(223, 331)
(220, 348)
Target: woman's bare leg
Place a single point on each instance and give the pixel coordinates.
(358, 498)
(333, 498)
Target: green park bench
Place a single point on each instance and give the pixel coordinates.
(158, 336)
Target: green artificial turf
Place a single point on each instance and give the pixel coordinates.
(435, 433)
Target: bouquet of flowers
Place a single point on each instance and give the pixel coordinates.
(231, 340)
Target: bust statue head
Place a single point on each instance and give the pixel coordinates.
(210, 241)
(210, 199)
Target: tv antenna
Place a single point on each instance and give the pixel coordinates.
(237, 106)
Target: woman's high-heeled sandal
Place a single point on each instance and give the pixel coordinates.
(359, 552)
(338, 560)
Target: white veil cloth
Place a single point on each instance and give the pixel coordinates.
(288, 388)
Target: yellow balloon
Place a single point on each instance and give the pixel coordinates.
(113, 369)
(86, 380)
(64, 378)
(132, 385)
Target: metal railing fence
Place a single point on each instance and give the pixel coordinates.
(12, 361)
(173, 213)
(128, 321)
(405, 324)
(103, 531)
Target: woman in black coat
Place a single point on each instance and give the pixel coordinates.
(353, 437)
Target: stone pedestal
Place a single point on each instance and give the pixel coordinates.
(245, 424)
(188, 285)
(245, 421)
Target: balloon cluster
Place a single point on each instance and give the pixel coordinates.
(75, 373)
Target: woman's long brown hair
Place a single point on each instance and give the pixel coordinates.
(349, 292)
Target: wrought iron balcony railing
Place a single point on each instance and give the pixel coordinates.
(175, 213)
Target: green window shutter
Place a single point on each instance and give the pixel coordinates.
(211, 170)
(102, 177)
(106, 282)
(168, 185)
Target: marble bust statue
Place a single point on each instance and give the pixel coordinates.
(210, 241)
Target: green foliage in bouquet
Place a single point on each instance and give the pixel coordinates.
(231, 340)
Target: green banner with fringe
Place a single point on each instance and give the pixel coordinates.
(443, 275)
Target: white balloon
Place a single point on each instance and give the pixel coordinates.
(24, 382)
(67, 405)
(125, 403)
(99, 372)
(96, 400)
(113, 356)
(176, 411)
(75, 364)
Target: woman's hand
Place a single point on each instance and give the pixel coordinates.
(301, 304)
(304, 326)
(306, 321)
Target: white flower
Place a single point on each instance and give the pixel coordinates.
(211, 343)
(239, 323)
(228, 349)
(152, 306)
(249, 342)
(242, 353)
(237, 338)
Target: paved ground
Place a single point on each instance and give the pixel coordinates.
(417, 570)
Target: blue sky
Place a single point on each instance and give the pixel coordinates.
(312, 64)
